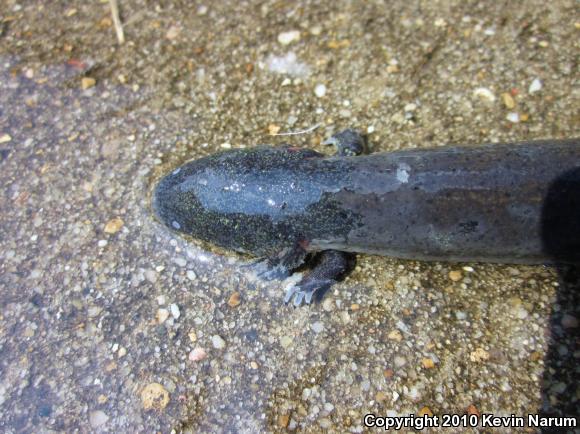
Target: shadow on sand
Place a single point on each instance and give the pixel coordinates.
(561, 240)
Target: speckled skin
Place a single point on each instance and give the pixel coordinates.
(484, 203)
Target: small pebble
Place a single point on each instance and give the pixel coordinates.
(522, 313)
(154, 396)
(478, 355)
(87, 82)
(5, 138)
(175, 313)
(535, 86)
(440, 22)
(151, 275)
(97, 418)
(317, 327)
(320, 90)
(334, 44)
(197, 354)
(273, 129)
(484, 94)
(217, 342)
(173, 32)
(400, 361)
(513, 117)
(162, 315)
(234, 300)
(181, 262)
(286, 38)
(455, 275)
(283, 420)
(102, 243)
(285, 341)
(425, 411)
(472, 409)
(226, 145)
(113, 226)
(508, 100)
(191, 275)
(328, 304)
(395, 335)
(428, 363)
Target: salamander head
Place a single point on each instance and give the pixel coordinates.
(242, 200)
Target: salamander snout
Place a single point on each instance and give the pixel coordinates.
(166, 200)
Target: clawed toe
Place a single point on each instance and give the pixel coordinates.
(305, 292)
(298, 295)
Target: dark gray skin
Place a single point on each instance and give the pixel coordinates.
(510, 203)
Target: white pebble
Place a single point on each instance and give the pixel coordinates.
(181, 262)
(98, 418)
(535, 86)
(320, 90)
(316, 30)
(317, 327)
(440, 22)
(226, 145)
(151, 275)
(102, 243)
(287, 64)
(399, 361)
(286, 38)
(410, 107)
(513, 117)
(175, 310)
(217, 342)
(197, 354)
(522, 313)
(485, 94)
(191, 275)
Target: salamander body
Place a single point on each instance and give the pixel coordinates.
(513, 203)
